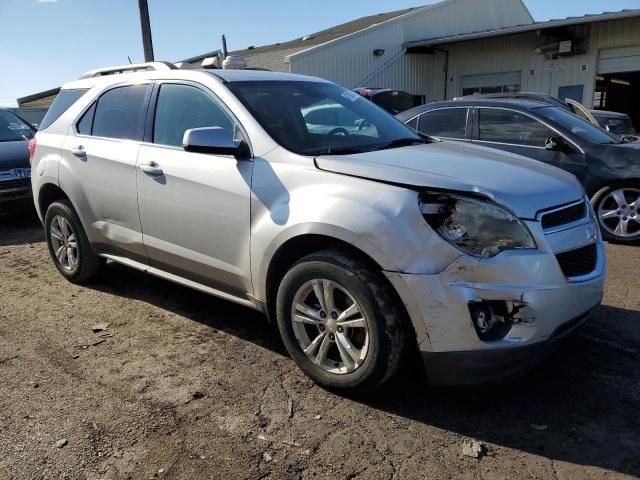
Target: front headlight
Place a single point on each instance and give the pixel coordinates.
(476, 227)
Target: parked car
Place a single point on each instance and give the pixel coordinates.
(619, 124)
(15, 172)
(608, 169)
(32, 116)
(360, 247)
(393, 101)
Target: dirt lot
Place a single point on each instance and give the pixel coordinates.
(182, 385)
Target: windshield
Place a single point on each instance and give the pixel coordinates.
(316, 118)
(617, 125)
(13, 128)
(578, 126)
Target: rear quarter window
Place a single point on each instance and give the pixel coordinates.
(61, 104)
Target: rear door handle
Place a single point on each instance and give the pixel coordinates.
(151, 168)
(79, 151)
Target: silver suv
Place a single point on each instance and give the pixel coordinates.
(361, 239)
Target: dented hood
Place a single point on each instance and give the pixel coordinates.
(525, 186)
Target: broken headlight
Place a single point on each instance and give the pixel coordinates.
(476, 227)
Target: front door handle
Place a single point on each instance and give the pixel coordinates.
(79, 151)
(151, 168)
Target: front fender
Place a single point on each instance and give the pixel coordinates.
(383, 221)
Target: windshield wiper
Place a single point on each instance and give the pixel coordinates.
(401, 142)
(339, 151)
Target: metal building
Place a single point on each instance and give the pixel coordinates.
(377, 56)
(496, 47)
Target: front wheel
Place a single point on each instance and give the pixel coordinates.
(616, 207)
(340, 323)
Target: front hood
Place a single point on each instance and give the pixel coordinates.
(13, 155)
(523, 185)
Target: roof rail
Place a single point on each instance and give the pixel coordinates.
(134, 67)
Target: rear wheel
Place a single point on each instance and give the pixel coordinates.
(68, 244)
(617, 208)
(339, 322)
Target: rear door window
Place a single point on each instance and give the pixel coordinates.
(120, 113)
(61, 104)
(507, 126)
(445, 123)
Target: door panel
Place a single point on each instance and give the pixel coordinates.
(100, 173)
(195, 216)
(194, 208)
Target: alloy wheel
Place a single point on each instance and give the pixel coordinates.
(64, 243)
(618, 212)
(330, 326)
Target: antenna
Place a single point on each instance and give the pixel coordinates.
(129, 58)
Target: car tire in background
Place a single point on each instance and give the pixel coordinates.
(616, 208)
(68, 244)
(340, 322)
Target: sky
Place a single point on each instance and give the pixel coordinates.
(45, 43)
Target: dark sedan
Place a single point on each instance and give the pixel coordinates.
(15, 171)
(608, 168)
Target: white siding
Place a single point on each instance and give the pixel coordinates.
(516, 53)
(350, 60)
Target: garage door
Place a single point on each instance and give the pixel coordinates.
(491, 83)
(617, 60)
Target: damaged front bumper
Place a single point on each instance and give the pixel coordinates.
(533, 299)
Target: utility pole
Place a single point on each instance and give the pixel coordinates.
(224, 47)
(147, 42)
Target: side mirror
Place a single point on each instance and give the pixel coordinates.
(214, 140)
(555, 143)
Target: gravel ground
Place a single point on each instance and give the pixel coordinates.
(182, 385)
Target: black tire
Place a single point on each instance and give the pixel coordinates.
(602, 200)
(88, 263)
(387, 326)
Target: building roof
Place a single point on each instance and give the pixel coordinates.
(530, 27)
(34, 98)
(273, 56)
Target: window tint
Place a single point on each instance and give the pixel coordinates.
(321, 115)
(330, 114)
(448, 123)
(61, 104)
(86, 122)
(120, 113)
(182, 107)
(280, 108)
(506, 126)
